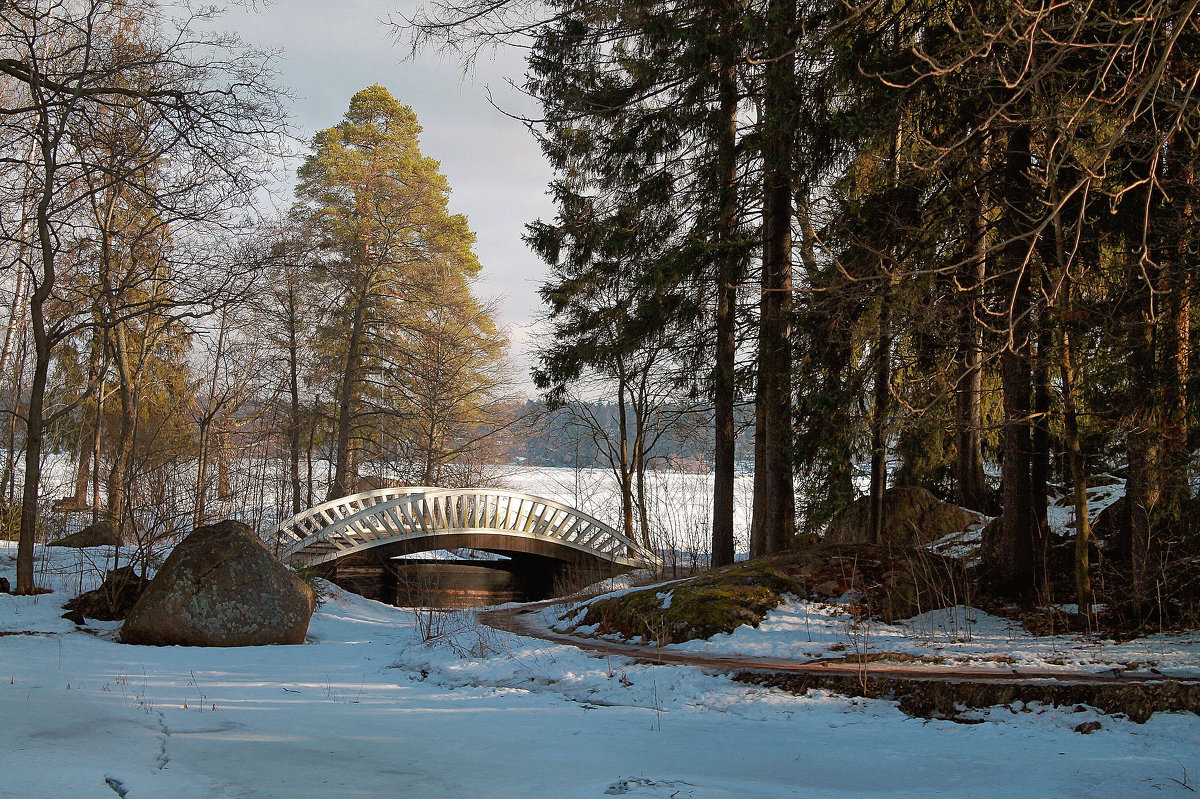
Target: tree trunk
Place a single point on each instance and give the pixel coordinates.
(623, 457)
(345, 476)
(293, 356)
(1083, 530)
(729, 272)
(119, 477)
(202, 471)
(1039, 461)
(774, 496)
(224, 476)
(881, 401)
(1177, 261)
(971, 488)
(1143, 491)
(308, 452)
(880, 411)
(33, 452)
(8, 482)
(89, 419)
(1013, 566)
(643, 514)
(37, 391)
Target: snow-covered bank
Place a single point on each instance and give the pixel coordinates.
(368, 710)
(805, 630)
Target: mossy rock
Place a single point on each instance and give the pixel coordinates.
(891, 583)
(912, 516)
(699, 607)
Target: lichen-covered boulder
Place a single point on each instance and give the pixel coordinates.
(221, 586)
(101, 534)
(911, 517)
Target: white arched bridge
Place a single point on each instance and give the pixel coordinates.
(537, 535)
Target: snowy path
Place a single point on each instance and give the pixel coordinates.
(540, 620)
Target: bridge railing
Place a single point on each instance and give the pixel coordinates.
(371, 518)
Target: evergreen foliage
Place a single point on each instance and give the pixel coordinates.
(978, 243)
(411, 357)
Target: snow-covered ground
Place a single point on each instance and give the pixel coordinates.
(800, 629)
(367, 709)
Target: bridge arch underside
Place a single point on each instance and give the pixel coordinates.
(533, 570)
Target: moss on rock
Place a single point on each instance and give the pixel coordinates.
(889, 583)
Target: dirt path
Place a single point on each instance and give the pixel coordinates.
(522, 620)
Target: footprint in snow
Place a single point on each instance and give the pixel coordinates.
(640, 786)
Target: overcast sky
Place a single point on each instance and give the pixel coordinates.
(333, 48)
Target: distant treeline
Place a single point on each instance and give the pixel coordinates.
(576, 435)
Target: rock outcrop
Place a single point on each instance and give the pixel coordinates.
(911, 517)
(114, 598)
(221, 586)
(101, 534)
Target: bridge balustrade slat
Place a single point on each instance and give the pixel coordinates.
(559, 527)
(505, 523)
(594, 537)
(531, 517)
(535, 517)
(570, 533)
(362, 528)
(423, 512)
(369, 527)
(541, 520)
(577, 529)
(402, 524)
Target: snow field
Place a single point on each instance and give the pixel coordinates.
(367, 709)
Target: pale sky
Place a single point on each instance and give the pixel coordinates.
(334, 48)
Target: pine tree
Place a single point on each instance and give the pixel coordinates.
(391, 259)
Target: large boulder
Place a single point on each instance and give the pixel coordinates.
(911, 517)
(221, 586)
(101, 534)
(114, 598)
